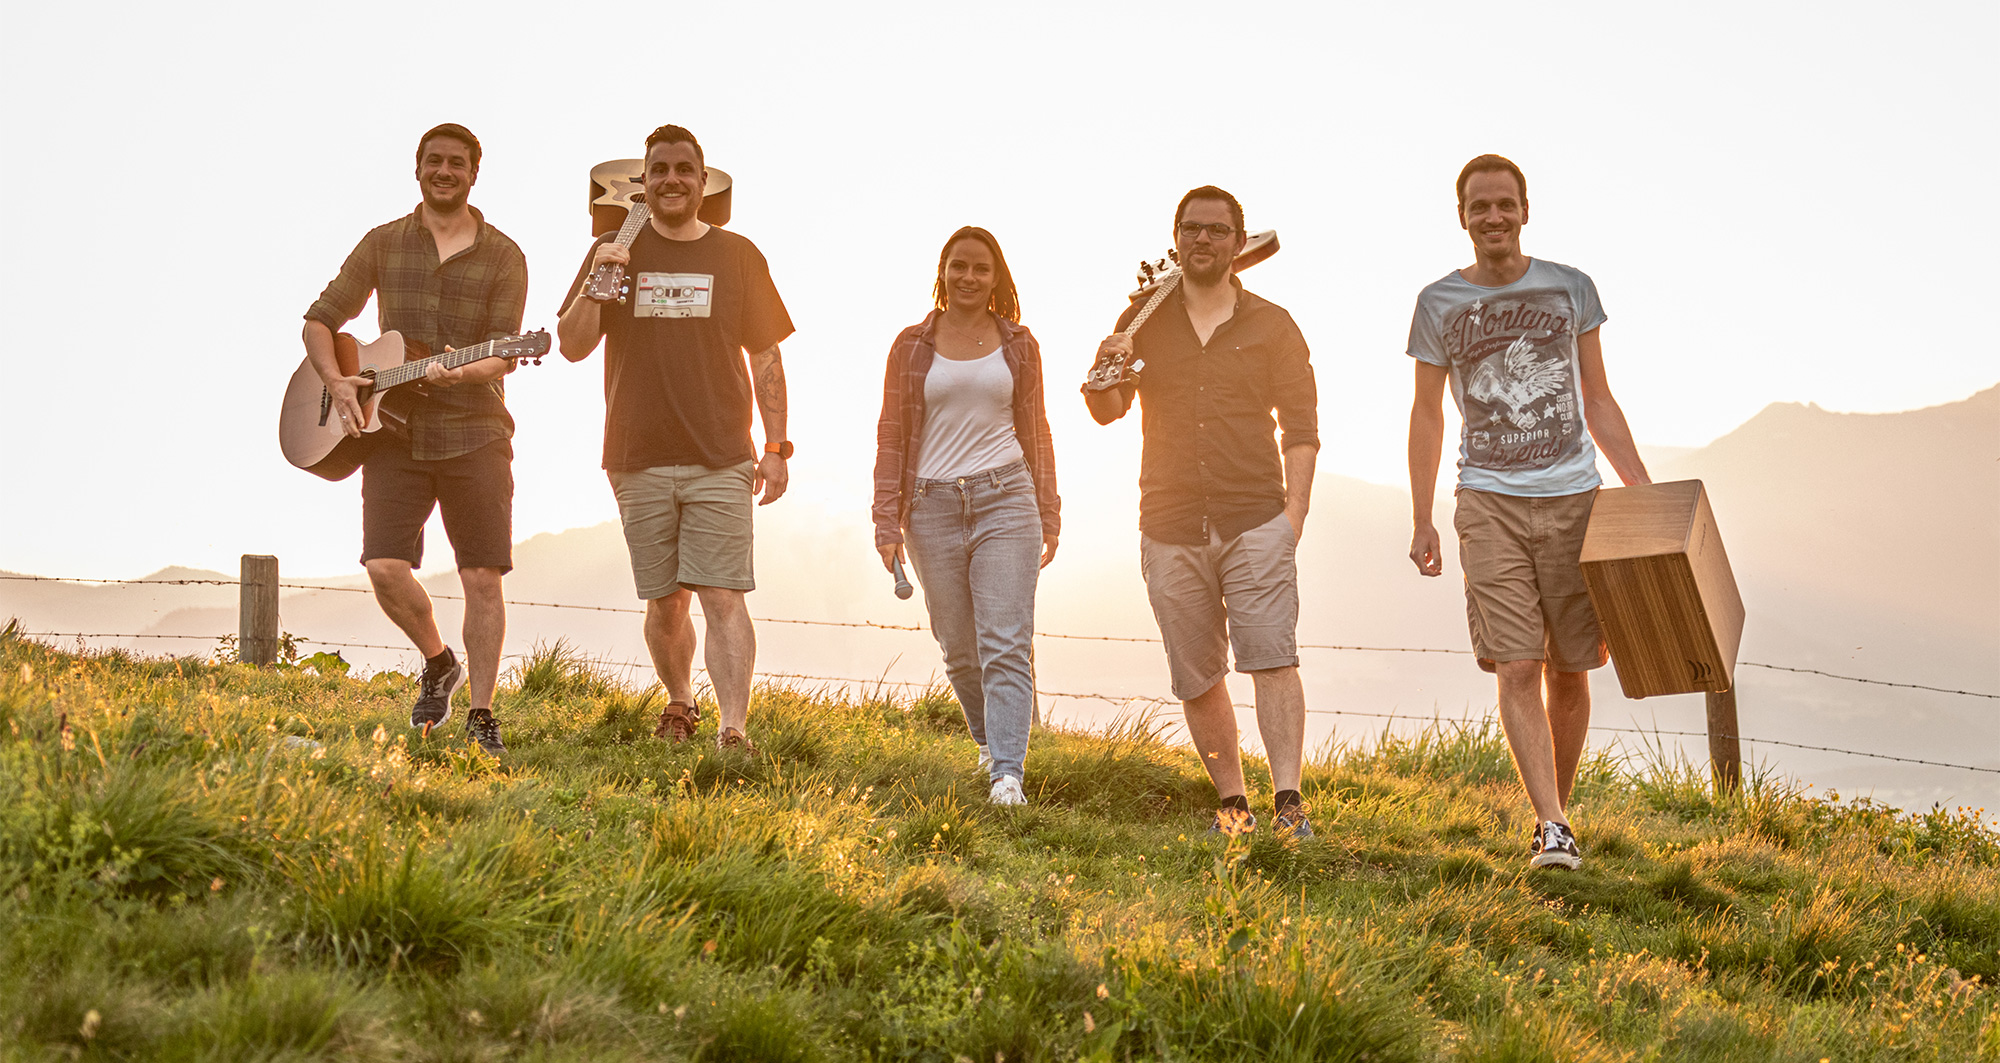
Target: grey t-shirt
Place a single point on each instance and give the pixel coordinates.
(1511, 352)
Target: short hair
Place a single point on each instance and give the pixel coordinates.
(1005, 300)
(1490, 164)
(1211, 192)
(456, 132)
(673, 134)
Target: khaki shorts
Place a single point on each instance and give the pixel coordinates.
(1524, 594)
(687, 526)
(1242, 594)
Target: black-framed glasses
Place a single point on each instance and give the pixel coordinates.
(1217, 231)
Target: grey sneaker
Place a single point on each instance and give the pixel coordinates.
(1554, 846)
(433, 705)
(1294, 819)
(1232, 821)
(481, 727)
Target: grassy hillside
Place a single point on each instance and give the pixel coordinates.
(213, 862)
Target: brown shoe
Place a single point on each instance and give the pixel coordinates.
(677, 722)
(731, 738)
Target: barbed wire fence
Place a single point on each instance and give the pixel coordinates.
(1127, 700)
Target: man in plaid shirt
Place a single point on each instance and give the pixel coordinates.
(445, 279)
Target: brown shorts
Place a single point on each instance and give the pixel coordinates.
(688, 526)
(1524, 594)
(475, 490)
(1241, 594)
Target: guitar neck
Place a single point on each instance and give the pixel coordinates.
(634, 221)
(412, 371)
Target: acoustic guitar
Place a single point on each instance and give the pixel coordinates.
(1157, 279)
(618, 201)
(312, 436)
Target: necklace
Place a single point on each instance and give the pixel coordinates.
(977, 341)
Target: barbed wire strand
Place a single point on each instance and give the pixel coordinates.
(1111, 698)
(899, 627)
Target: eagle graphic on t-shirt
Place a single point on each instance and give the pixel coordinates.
(1515, 379)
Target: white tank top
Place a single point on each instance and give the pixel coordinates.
(968, 418)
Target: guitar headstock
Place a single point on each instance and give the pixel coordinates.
(525, 349)
(1256, 248)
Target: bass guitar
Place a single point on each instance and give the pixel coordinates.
(618, 201)
(1157, 279)
(313, 438)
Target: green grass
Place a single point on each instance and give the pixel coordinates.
(212, 862)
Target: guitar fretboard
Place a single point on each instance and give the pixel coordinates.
(634, 221)
(409, 371)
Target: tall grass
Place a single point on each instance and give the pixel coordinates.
(209, 861)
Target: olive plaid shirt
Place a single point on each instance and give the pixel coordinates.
(477, 296)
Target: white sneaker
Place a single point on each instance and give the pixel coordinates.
(985, 760)
(1007, 791)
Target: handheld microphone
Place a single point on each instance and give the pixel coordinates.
(903, 588)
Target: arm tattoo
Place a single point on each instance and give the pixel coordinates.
(771, 382)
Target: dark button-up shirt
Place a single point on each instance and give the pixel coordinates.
(478, 295)
(1211, 461)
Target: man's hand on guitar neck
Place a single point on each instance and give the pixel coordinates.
(611, 252)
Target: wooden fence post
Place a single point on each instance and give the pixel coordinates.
(1724, 754)
(257, 619)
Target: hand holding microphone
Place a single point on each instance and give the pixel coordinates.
(892, 559)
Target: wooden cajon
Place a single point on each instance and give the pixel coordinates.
(1660, 580)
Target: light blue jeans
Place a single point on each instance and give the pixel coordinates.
(976, 542)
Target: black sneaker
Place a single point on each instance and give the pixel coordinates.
(481, 727)
(433, 705)
(1232, 822)
(1294, 819)
(1554, 846)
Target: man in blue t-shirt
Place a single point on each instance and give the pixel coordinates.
(1517, 340)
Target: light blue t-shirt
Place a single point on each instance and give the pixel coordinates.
(1511, 352)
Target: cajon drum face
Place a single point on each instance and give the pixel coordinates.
(1662, 587)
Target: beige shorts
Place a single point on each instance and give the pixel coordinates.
(1241, 594)
(687, 526)
(1524, 594)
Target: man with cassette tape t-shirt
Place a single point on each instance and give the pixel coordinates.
(1517, 340)
(677, 444)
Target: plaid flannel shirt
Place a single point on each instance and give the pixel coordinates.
(480, 294)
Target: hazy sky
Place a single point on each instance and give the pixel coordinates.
(1778, 203)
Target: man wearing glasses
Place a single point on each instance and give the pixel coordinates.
(1221, 504)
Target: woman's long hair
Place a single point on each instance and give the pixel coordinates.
(1005, 301)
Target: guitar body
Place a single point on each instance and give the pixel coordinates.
(310, 433)
(616, 185)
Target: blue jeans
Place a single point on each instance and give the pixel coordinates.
(976, 542)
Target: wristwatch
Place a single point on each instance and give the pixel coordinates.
(783, 450)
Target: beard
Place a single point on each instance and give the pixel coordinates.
(446, 202)
(690, 207)
(1216, 272)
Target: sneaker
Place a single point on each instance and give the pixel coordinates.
(433, 705)
(985, 760)
(1232, 821)
(481, 727)
(1007, 791)
(677, 722)
(1294, 819)
(731, 738)
(1554, 846)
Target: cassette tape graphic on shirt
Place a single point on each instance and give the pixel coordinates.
(673, 295)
